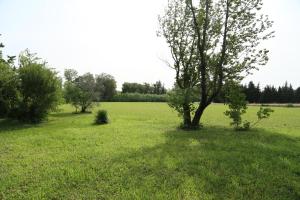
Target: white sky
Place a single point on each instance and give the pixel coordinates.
(119, 37)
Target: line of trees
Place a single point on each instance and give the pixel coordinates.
(269, 94)
(83, 90)
(146, 88)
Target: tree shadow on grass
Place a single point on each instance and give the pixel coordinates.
(213, 163)
(62, 114)
(13, 125)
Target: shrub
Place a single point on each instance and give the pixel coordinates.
(101, 117)
(237, 104)
(40, 92)
(236, 101)
(263, 113)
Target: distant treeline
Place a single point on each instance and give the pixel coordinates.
(269, 94)
(83, 90)
(145, 88)
(138, 97)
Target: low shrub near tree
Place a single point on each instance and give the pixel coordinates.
(237, 104)
(101, 117)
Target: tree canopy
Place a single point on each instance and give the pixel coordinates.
(212, 42)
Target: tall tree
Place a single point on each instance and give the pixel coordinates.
(213, 42)
(80, 90)
(70, 74)
(106, 87)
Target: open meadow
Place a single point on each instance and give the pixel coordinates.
(141, 154)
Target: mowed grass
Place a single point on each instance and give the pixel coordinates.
(142, 155)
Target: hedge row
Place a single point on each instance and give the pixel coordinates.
(137, 97)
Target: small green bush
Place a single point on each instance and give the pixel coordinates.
(101, 117)
(237, 104)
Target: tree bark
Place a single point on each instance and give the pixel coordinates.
(198, 114)
(83, 109)
(187, 121)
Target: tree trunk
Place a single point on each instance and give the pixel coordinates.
(197, 117)
(83, 109)
(187, 121)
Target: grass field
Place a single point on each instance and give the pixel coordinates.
(141, 155)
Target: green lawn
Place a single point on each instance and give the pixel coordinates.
(141, 155)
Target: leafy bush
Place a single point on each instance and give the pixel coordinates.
(263, 113)
(101, 117)
(30, 92)
(40, 92)
(237, 104)
(137, 97)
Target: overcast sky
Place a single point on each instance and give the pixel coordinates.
(119, 37)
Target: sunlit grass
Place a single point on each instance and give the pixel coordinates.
(141, 154)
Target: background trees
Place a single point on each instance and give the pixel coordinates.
(269, 94)
(252, 93)
(211, 43)
(146, 88)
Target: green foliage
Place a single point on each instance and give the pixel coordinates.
(9, 93)
(8, 84)
(212, 42)
(30, 92)
(40, 92)
(146, 88)
(177, 98)
(252, 92)
(264, 113)
(106, 87)
(70, 75)
(101, 117)
(72, 94)
(138, 97)
(237, 104)
(79, 90)
(26, 58)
